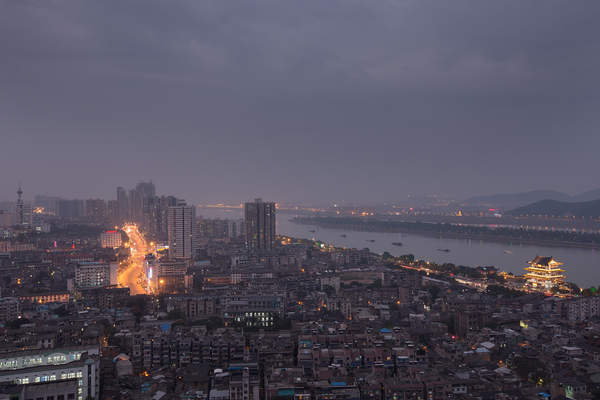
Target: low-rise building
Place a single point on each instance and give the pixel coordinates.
(111, 239)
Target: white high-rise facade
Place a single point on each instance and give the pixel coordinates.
(95, 274)
(181, 220)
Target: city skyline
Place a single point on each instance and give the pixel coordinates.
(588, 194)
(425, 98)
(271, 200)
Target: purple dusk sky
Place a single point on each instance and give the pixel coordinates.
(307, 100)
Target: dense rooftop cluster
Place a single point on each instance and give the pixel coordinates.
(299, 320)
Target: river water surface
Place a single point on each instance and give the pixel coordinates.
(582, 265)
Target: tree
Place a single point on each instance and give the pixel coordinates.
(573, 287)
(497, 290)
(589, 292)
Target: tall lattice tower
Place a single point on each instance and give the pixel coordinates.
(20, 207)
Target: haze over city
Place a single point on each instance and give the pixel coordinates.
(299, 200)
(312, 101)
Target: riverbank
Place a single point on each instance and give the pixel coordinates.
(447, 231)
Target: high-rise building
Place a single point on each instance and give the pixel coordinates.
(135, 206)
(71, 208)
(146, 189)
(9, 308)
(6, 218)
(181, 222)
(259, 224)
(162, 226)
(123, 204)
(112, 211)
(155, 216)
(140, 201)
(235, 228)
(220, 228)
(48, 204)
(95, 209)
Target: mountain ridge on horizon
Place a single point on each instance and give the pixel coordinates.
(559, 208)
(521, 199)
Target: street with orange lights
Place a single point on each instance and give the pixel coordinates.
(132, 274)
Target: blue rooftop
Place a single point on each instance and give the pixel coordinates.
(165, 327)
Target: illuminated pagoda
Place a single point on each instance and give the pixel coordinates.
(544, 273)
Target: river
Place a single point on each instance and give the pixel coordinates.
(582, 265)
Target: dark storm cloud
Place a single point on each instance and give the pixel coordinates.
(308, 100)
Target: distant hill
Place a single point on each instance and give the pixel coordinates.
(513, 200)
(587, 196)
(559, 208)
(509, 201)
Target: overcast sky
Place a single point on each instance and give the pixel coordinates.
(324, 100)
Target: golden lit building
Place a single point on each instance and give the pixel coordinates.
(544, 273)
